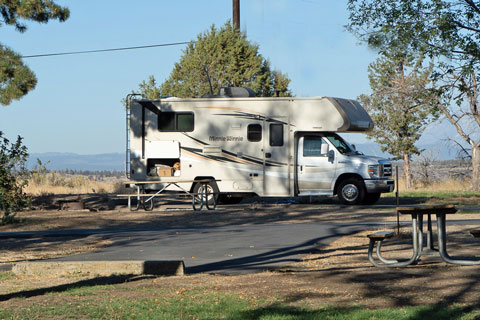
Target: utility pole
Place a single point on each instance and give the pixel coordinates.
(236, 14)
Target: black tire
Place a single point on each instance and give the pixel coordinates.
(371, 198)
(226, 199)
(212, 191)
(351, 191)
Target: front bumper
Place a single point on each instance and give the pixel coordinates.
(380, 185)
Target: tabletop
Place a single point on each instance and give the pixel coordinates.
(169, 181)
(426, 209)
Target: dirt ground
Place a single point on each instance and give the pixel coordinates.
(339, 274)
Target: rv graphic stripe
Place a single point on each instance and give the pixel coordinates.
(196, 140)
(250, 116)
(231, 157)
(245, 159)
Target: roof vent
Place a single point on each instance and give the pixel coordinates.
(236, 92)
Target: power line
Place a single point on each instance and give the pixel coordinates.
(104, 50)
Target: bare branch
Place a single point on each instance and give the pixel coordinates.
(472, 5)
(459, 128)
(461, 25)
(463, 150)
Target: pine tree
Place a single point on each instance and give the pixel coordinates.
(401, 105)
(16, 79)
(220, 58)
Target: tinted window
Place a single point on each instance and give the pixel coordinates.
(166, 121)
(312, 146)
(276, 134)
(185, 122)
(254, 132)
(176, 121)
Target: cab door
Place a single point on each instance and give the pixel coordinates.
(316, 165)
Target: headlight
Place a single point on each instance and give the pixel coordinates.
(373, 171)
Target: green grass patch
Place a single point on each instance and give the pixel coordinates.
(95, 303)
(7, 275)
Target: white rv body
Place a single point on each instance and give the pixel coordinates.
(255, 146)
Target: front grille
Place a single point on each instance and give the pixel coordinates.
(386, 170)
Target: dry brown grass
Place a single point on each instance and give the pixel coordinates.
(90, 187)
(437, 186)
(58, 183)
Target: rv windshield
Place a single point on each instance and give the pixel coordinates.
(342, 146)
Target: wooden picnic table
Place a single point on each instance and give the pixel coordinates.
(147, 198)
(417, 214)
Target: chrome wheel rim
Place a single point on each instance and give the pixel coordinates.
(350, 192)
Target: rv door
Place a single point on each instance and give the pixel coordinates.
(316, 165)
(276, 157)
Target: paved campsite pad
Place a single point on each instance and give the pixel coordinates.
(336, 274)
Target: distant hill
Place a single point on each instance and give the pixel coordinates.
(91, 162)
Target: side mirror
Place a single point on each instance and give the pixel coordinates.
(354, 147)
(331, 156)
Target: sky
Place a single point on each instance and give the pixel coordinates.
(76, 106)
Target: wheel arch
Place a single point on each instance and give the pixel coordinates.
(202, 178)
(345, 176)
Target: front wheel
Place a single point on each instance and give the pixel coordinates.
(351, 191)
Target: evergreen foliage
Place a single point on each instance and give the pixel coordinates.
(401, 105)
(447, 30)
(219, 58)
(16, 79)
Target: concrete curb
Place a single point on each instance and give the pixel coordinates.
(101, 268)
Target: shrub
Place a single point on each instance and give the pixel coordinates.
(13, 178)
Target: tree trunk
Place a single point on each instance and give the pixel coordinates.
(476, 167)
(406, 169)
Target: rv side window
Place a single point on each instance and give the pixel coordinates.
(176, 121)
(312, 146)
(276, 134)
(185, 122)
(254, 132)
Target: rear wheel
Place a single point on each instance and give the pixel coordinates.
(212, 191)
(351, 191)
(371, 198)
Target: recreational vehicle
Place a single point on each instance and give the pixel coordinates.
(246, 145)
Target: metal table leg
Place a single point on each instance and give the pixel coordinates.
(410, 261)
(442, 245)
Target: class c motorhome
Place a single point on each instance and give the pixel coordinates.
(270, 147)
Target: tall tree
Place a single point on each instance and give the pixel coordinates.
(401, 104)
(220, 58)
(16, 79)
(446, 29)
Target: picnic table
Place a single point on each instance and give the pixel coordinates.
(198, 199)
(417, 214)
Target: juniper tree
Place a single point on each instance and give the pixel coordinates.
(220, 58)
(448, 30)
(401, 105)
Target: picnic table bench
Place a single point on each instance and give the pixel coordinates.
(417, 214)
(199, 199)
